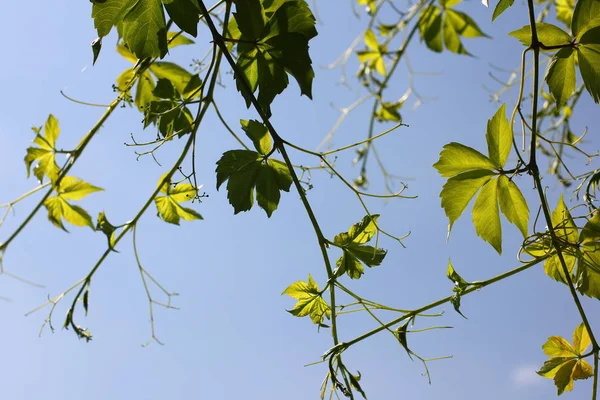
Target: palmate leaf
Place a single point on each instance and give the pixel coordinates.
(584, 48)
(70, 188)
(246, 171)
(44, 154)
(275, 43)
(374, 56)
(354, 251)
(310, 302)
(169, 206)
(581, 252)
(566, 363)
(470, 172)
(442, 27)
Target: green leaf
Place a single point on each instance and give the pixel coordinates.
(354, 252)
(45, 153)
(359, 233)
(564, 11)
(455, 300)
(348, 264)
(548, 34)
(565, 365)
(388, 111)
(282, 174)
(259, 134)
(459, 283)
(169, 207)
(144, 29)
(106, 14)
(561, 75)
(486, 216)
(144, 92)
(250, 18)
(464, 25)
(309, 302)
(58, 208)
(430, 27)
(374, 56)
(369, 255)
(267, 189)
(281, 48)
(512, 204)
(499, 137)
(451, 37)
(557, 346)
(589, 65)
(591, 230)
(459, 190)
(401, 335)
(585, 17)
(179, 77)
(581, 339)
(107, 228)
(244, 170)
(185, 13)
(456, 158)
(123, 50)
(502, 6)
(71, 188)
(175, 39)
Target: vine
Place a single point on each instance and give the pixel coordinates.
(263, 43)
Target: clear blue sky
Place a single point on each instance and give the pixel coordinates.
(232, 338)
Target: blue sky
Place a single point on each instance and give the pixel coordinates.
(231, 337)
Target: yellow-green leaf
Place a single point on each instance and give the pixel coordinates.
(72, 188)
(557, 346)
(581, 339)
(486, 216)
(499, 137)
(561, 75)
(459, 190)
(456, 158)
(309, 302)
(512, 204)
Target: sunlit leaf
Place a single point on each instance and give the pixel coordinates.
(309, 302)
(486, 216)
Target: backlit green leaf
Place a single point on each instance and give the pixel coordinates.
(456, 158)
(499, 137)
(430, 27)
(459, 190)
(548, 34)
(581, 339)
(561, 75)
(72, 188)
(185, 13)
(309, 302)
(564, 11)
(144, 29)
(513, 204)
(486, 217)
(585, 17)
(106, 15)
(267, 190)
(589, 66)
(502, 6)
(259, 134)
(59, 209)
(174, 39)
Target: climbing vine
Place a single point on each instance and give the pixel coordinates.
(265, 44)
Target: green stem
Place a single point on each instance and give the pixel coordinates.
(188, 145)
(75, 156)
(535, 46)
(279, 145)
(445, 300)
